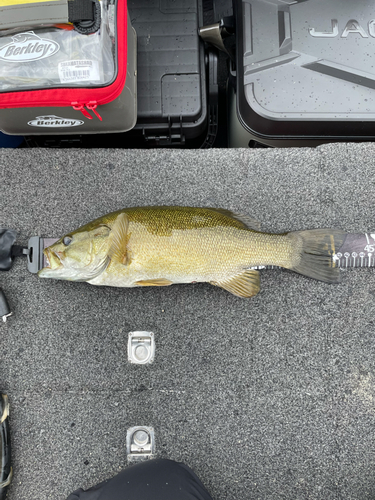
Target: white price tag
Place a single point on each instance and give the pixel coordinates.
(111, 20)
(78, 71)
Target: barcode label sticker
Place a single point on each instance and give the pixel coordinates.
(78, 71)
(111, 20)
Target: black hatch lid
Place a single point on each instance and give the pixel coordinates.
(306, 68)
(171, 70)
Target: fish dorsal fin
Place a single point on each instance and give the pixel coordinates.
(119, 239)
(245, 284)
(248, 221)
(154, 282)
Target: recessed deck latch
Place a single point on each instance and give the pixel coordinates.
(140, 443)
(141, 347)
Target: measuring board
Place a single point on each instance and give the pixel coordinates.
(357, 250)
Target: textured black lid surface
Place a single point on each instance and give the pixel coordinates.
(306, 67)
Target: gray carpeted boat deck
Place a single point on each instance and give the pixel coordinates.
(267, 398)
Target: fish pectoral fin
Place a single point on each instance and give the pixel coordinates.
(245, 284)
(154, 282)
(119, 235)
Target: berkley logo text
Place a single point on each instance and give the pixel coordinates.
(54, 121)
(27, 47)
(352, 26)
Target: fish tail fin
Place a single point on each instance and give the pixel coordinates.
(314, 253)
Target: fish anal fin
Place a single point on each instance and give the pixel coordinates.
(119, 239)
(154, 282)
(245, 284)
(246, 220)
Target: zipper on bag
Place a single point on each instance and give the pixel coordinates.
(92, 105)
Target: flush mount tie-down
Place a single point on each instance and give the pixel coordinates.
(141, 347)
(140, 443)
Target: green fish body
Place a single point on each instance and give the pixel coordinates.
(161, 246)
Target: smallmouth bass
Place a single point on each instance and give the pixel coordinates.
(161, 246)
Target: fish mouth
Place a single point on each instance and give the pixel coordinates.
(51, 263)
(46, 260)
(51, 260)
(56, 266)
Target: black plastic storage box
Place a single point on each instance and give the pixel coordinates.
(306, 69)
(172, 103)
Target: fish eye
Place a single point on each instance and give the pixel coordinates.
(67, 240)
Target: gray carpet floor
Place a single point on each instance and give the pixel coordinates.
(267, 398)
